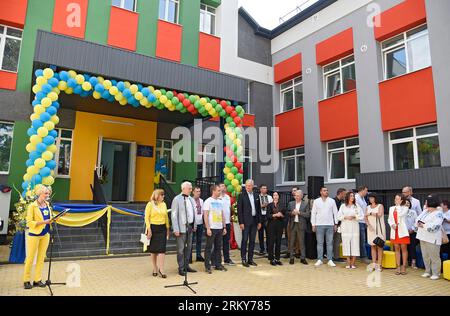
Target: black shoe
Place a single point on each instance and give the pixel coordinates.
(252, 263)
(190, 261)
(190, 270)
(278, 262)
(297, 256)
(182, 273)
(208, 270)
(200, 259)
(291, 261)
(287, 255)
(304, 261)
(261, 253)
(220, 268)
(273, 263)
(27, 286)
(164, 276)
(245, 264)
(230, 262)
(39, 284)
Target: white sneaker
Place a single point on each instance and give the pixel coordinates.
(426, 275)
(434, 277)
(331, 263)
(348, 267)
(318, 263)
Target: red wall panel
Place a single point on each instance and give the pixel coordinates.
(209, 52)
(335, 47)
(69, 17)
(123, 28)
(408, 100)
(288, 69)
(8, 80)
(168, 41)
(404, 16)
(13, 12)
(338, 117)
(291, 133)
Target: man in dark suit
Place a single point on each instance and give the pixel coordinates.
(299, 213)
(249, 216)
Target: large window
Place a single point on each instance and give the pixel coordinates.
(343, 159)
(407, 52)
(6, 135)
(10, 42)
(291, 94)
(63, 154)
(293, 165)
(125, 4)
(164, 151)
(169, 10)
(207, 19)
(415, 148)
(339, 76)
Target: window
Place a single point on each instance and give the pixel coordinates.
(207, 19)
(291, 94)
(407, 52)
(293, 165)
(6, 135)
(208, 165)
(343, 159)
(125, 4)
(415, 148)
(169, 10)
(164, 151)
(10, 42)
(339, 77)
(63, 154)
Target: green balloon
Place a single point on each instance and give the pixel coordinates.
(239, 109)
(222, 113)
(218, 108)
(230, 188)
(239, 177)
(227, 159)
(227, 182)
(230, 164)
(229, 119)
(208, 99)
(197, 105)
(179, 106)
(163, 91)
(183, 110)
(192, 99)
(175, 101)
(169, 95)
(232, 124)
(228, 142)
(186, 95)
(156, 104)
(234, 170)
(214, 102)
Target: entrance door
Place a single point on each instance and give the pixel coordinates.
(117, 165)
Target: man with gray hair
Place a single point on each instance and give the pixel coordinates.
(298, 212)
(183, 225)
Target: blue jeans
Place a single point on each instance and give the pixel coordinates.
(362, 240)
(324, 233)
(197, 238)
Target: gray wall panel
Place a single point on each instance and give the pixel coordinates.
(252, 46)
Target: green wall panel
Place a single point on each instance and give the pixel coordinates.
(97, 23)
(148, 27)
(61, 189)
(190, 19)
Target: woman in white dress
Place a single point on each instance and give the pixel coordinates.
(350, 214)
(376, 227)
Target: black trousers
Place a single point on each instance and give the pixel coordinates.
(275, 233)
(262, 243)
(248, 240)
(213, 256)
(412, 247)
(226, 243)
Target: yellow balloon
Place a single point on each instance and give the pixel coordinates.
(232, 136)
(237, 142)
(123, 101)
(39, 163)
(52, 148)
(53, 96)
(47, 155)
(113, 90)
(226, 170)
(35, 139)
(32, 170)
(27, 177)
(86, 86)
(52, 173)
(42, 132)
(163, 99)
(48, 180)
(41, 81)
(55, 119)
(100, 80)
(144, 102)
(230, 176)
(46, 102)
(30, 148)
(203, 101)
(62, 85)
(49, 125)
(79, 79)
(56, 90)
(69, 90)
(235, 182)
(168, 104)
(72, 74)
(127, 84)
(151, 88)
(208, 107)
(118, 96)
(36, 89)
(107, 84)
(97, 95)
(134, 88)
(157, 94)
(172, 108)
(138, 96)
(238, 188)
(34, 116)
(48, 73)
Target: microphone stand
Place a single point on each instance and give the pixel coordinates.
(185, 252)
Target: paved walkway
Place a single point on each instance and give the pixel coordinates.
(132, 276)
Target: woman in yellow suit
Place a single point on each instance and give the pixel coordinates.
(157, 227)
(39, 218)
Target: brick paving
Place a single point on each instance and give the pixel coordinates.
(132, 276)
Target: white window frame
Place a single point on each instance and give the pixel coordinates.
(122, 5)
(298, 81)
(334, 71)
(412, 139)
(204, 10)
(283, 169)
(3, 37)
(205, 151)
(59, 138)
(10, 152)
(403, 44)
(338, 150)
(161, 151)
(166, 11)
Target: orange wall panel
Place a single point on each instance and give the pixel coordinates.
(288, 69)
(338, 117)
(209, 52)
(8, 80)
(168, 41)
(123, 28)
(69, 17)
(335, 47)
(13, 12)
(408, 100)
(291, 133)
(404, 16)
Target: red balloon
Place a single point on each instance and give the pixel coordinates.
(241, 171)
(229, 109)
(195, 112)
(234, 159)
(238, 165)
(237, 120)
(186, 103)
(233, 200)
(223, 104)
(181, 97)
(234, 114)
(191, 109)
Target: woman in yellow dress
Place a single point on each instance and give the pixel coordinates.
(157, 229)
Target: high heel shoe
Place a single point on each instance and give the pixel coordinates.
(155, 274)
(164, 276)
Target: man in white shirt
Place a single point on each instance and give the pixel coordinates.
(198, 235)
(360, 198)
(407, 193)
(324, 224)
(227, 214)
(265, 200)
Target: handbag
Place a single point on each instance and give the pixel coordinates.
(379, 242)
(144, 240)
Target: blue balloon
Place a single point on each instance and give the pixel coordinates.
(99, 88)
(127, 93)
(111, 99)
(145, 92)
(93, 81)
(164, 170)
(78, 89)
(49, 140)
(56, 76)
(51, 110)
(34, 103)
(25, 185)
(114, 82)
(46, 88)
(45, 117)
(106, 94)
(34, 155)
(56, 104)
(36, 124)
(36, 179)
(140, 87)
(31, 131)
(40, 95)
(64, 75)
(53, 82)
(51, 164)
(45, 172)
(29, 163)
(72, 83)
(152, 98)
(39, 72)
(41, 147)
(53, 133)
(121, 86)
(86, 77)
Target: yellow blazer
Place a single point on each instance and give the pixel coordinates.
(154, 217)
(34, 216)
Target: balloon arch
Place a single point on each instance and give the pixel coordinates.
(50, 84)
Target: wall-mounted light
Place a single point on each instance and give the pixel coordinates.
(364, 48)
